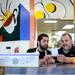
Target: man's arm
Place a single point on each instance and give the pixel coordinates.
(31, 50)
(70, 60)
(63, 59)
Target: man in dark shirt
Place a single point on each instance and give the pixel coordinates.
(42, 45)
(67, 50)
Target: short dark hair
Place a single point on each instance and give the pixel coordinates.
(41, 36)
(67, 34)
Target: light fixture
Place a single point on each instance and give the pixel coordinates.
(69, 26)
(60, 32)
(50, 21)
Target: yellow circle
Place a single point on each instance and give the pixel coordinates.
(50, 7)
(39, 14)
(6, 16)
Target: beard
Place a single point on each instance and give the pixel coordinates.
(66, 47)
(44, 47)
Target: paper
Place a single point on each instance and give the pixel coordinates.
(19, 60)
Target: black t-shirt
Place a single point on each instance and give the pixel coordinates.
(42, 54)
(71, 53)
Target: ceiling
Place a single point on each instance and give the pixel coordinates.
(53, 27)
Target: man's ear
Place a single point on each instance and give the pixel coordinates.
(38, 43)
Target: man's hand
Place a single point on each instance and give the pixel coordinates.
(61, 58)
(48, 59)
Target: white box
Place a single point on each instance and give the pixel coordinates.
(20, 60)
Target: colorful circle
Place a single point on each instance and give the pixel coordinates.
(7, 18)
(54, 8)
(39, 14)
(50, 7)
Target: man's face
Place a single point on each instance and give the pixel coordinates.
(66, 42)
(44, 43)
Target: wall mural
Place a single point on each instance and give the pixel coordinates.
(72, 2)
(14, 23)
(15, 20)
(54, 9)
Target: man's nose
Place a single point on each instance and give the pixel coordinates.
(64, 42)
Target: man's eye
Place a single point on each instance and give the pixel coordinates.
(44, 41)
(62, 41)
